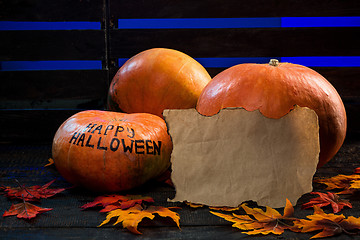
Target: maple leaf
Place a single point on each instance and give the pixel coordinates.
(340, 181)
(25, 210)
(50, 162)
(357, 170)
(355, 185)
(329, 224)
(33, 193)
(226, 209)
(112, 202)
(326, 199)
(103, 201)
(131, 217)
(270, 221)
(194, 205)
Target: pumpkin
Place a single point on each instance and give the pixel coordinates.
(274, 89)
(109, 151)
(157, 79)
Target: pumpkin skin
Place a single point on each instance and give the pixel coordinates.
(92, 149)
(157, 79)
(275, 89)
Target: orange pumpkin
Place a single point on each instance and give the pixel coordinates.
(157, 79)
(109, 151)
(274, 89)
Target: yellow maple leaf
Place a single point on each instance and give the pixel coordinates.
(50, 162)
(131, 217)
(328, 224)
(270, 221)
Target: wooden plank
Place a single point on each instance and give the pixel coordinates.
(26, 164)
(53, 89)
(231, 8)
(31, 126)
(52, 45)
(59, 10)
(117, 232)
(249, 42)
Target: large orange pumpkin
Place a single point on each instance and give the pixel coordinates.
(157, 79)
(109, 151)
(274, 89)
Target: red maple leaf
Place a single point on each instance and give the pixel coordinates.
(33, 193)
(25, 210)
(326, 199)
(112, 202)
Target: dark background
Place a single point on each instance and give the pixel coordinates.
(34, 103)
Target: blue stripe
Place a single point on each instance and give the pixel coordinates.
(8, 25)
(320, 22)
(165, 23)
(50, 65)
(169, 23)
(332, 61)
(175, 23)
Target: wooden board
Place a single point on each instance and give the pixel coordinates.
(240, 42)
(59, 10)
(232, 8)
(27, 95)
(25, 163)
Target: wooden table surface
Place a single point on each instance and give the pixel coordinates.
(25, 163)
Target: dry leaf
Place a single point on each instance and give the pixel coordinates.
(226, 209)
(103, 201)
(340, 181)
(112, 202)
(326, 199)
(355, 185)
(33, 193)
(328, 224)
(50, 162)
(131, 217)
(270, 221)
(194, 205)
(25, 210)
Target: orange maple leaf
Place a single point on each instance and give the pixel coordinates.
(50, 162)
(340, 181)
(270, 221)
(355, 185)
(329, 224)
(325, 199)
(131, 217)
(33, 193)
(25, 210)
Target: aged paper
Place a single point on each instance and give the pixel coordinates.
(237, 155)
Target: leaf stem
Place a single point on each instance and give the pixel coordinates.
(22, 187)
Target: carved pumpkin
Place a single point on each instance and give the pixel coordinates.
(109, 151)
(274, 89)
(157, 79)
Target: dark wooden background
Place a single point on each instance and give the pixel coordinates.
(34, 103)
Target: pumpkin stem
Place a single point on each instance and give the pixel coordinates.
(274, 62)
